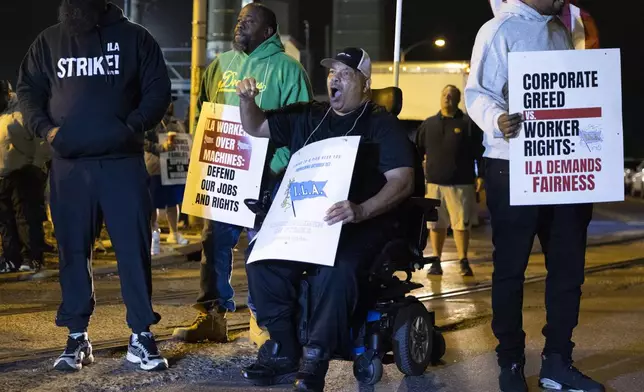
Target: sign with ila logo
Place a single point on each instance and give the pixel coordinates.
(318, 176)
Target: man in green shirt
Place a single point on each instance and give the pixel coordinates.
(258, 52)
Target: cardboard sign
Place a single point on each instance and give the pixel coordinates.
(174, 164)
(226, 167)
(570, 147)
(318, 176)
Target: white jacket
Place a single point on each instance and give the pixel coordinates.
(576, 21)
(516, 28)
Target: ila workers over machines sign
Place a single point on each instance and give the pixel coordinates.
(570, 148)
(226, 167)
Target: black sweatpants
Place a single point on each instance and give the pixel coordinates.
(562, 232)
(80, 189)
(333, 291)
(21, 216)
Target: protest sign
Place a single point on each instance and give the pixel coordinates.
(174, 164)
(570, 147)
(318, 176)
(226, 167)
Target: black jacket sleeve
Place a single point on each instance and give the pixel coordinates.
(155, 86)
(33, 90)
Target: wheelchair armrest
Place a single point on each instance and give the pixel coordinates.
(428, 206)
(257, 207)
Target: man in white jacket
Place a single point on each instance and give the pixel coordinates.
(520, 26)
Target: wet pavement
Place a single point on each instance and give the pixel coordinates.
(609, 348)
(613, 297)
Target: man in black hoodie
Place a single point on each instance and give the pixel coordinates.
(91, 85)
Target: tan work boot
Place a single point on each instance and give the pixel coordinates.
(210, 326)
(256, 334)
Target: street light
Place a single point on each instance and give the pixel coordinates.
(439, 43)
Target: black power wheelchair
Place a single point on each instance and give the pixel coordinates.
(389, 326)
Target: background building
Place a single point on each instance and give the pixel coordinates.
(333, 24)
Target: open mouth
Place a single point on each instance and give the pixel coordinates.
(335, 93)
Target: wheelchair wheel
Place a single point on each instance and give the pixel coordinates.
(412, 340)
(438, 347)
(367, 368)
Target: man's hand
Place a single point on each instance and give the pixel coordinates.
(510, 124)
(51, 134)
(247, 89)
(345, 212)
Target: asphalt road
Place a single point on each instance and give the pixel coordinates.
(609, 340)
(609, 344)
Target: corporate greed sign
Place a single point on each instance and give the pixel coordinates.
(318, 176)
(570, 148)
(226, 167)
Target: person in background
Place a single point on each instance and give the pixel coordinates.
(521, 26)
(91, 86)
(452, 145)
(21, 191)
(168, 197)
(258, 52)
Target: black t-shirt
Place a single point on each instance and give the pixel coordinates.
(452, 146)
(384, 145)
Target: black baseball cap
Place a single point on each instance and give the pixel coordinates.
(356, 58)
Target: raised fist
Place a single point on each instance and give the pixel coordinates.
(247, 89)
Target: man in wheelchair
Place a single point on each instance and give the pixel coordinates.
(383, 178)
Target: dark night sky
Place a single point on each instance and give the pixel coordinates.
(457, 20)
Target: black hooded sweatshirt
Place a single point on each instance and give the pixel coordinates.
(104, 88)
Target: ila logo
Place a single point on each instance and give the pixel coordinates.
(303, 190)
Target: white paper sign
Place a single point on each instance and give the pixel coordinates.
(174, 164)
(318, 176)
(570, 148)
(226, 167)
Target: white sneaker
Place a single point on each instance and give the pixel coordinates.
(143, 351)
(156, 243)
(77, 353)
(177, 239)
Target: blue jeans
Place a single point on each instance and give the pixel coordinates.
(218, 240)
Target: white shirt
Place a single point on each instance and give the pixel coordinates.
(516, 28)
